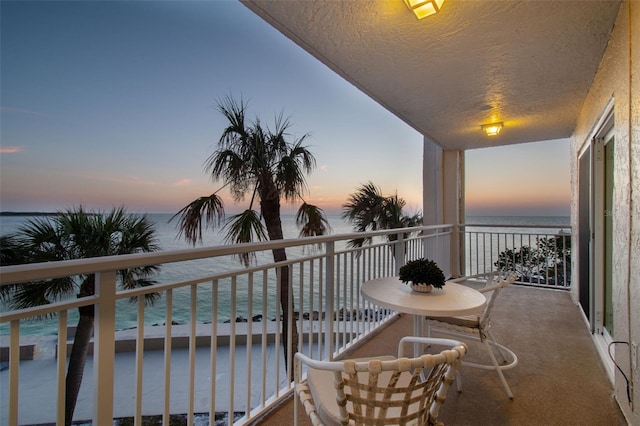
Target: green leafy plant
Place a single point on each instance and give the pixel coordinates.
(422, 271)
(547, 262)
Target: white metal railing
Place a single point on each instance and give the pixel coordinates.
(540, 255)
(224, 358)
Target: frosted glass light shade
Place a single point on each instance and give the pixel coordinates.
(424, 8)
(492, 129)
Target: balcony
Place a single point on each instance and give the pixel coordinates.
(556, 356)
(141, 368)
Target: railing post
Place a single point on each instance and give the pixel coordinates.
(14, 369)
(329, 300)
(104, 347)
(430, 245)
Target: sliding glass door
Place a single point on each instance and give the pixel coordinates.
(596, 185)
(585, 225)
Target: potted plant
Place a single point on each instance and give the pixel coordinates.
(422, 274)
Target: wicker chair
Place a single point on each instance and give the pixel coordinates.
(378, 391)
(477, 327)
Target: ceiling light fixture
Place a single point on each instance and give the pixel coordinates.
(492, 129)
(424, 8)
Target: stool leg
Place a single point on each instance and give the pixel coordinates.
(498, 370)
(493, 339)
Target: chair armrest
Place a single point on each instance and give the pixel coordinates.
(448, 343)
(302, 359)
(491, 287)
(509, 279)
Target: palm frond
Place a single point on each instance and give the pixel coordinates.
(137, 236)
(234, 111)
(140, 277)
(368, 210)
(392, 216)
(231, 167)
(290, 179)
(312, 221)
(45, 240)
(210, 208)
(301, 152)
(291, 170)
(245, 227)
(37, 293)
(75, 234)
(365, 209)
(358, 242)
(12, 251)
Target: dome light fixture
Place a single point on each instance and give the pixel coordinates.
(492, 129)
(424, 8)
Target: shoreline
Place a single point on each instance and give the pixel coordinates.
(43, 347)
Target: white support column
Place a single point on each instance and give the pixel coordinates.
(443, 193)
(432, 197)
(453, 204)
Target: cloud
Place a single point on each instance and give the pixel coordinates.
(128, 180)
(324, 168)
(23, 111)
(181, 182)
(10, 149)
(139, 181)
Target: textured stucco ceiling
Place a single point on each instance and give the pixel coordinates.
(526, 63)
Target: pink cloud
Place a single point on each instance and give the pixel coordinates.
(181, 182)
(10, 149)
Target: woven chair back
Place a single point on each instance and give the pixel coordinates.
(399, 392)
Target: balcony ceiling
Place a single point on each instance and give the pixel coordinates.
(526, 63)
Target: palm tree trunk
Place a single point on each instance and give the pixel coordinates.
(285, 290)
(77, 360)
(271, 212)
(79, 350)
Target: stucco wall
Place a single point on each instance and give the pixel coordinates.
(618, 78)
(634, 242)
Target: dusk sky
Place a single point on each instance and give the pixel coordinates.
(114, 103)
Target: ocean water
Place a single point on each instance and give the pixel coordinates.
(520, 221)
(167, 233)
(168, 239)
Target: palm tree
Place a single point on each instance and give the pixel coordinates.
(368, 210)
(260, 162)
(77, 234)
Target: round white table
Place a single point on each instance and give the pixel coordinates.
(452, 300)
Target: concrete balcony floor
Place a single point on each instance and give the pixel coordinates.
(559, 379)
